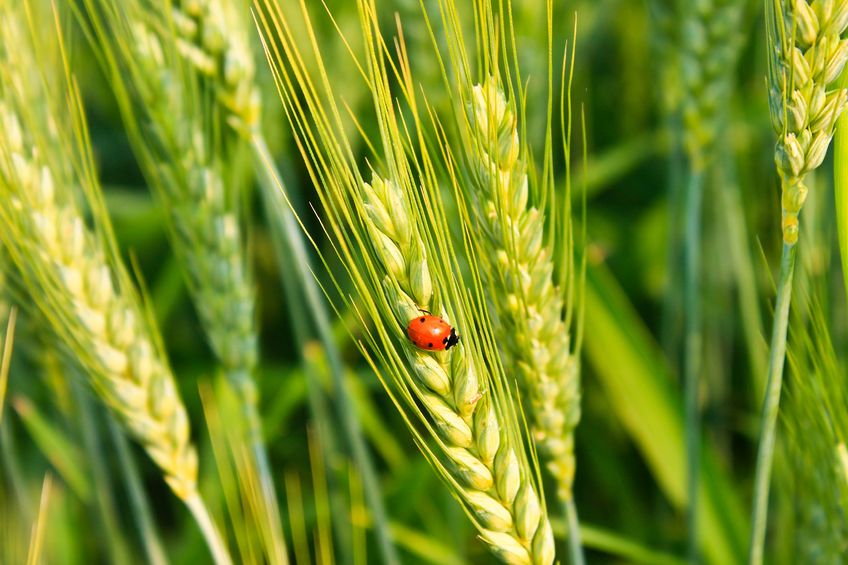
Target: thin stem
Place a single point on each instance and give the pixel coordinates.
(119, 553)
(575, 543)
(246, 395)
(153, 550)
(213, 538)
(271, 183)
(768, 421)
(669, 316)
(692, 354)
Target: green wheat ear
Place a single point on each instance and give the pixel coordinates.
(519, 270)
(808, 53)
(185, 159)
(72, 272)
(711, 39)
(481, 456)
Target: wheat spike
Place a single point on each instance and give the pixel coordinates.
(807, 55)
(711, 40)
(527, 305)
(88, 304)
(491, 480)
(182, 158)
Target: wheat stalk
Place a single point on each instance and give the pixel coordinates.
(519, 269)
(482, 458)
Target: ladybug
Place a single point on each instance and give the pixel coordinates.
(431, 333)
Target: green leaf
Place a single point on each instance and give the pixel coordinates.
(639, 385)
(56, 446)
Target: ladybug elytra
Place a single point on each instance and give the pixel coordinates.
(431, 333)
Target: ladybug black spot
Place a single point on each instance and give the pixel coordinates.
(430, 344)
(422, 320)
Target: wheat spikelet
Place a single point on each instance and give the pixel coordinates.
(528, 306)
(212, 36)
(86, 299)
(808, 53)
(665, 47)
(711, 38)
(482, 459)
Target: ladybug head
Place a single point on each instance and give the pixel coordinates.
(453, 339)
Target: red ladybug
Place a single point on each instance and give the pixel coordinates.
(431, 333)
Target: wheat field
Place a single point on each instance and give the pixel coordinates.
(433, 281)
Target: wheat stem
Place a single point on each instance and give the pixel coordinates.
(692, 357)
(91, 439)
(575, 538)
(210, 532)
(768, 422)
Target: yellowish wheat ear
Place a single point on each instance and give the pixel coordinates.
(85, 298)
(518, 269)
(808, 55)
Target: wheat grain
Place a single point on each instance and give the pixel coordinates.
(491, 479)
(528, 306)
(808, 53)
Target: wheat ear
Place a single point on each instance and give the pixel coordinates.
(487, 470)
(808, 53)
(184, 165)
(528, 306)
(711, 38)
(89, 305)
